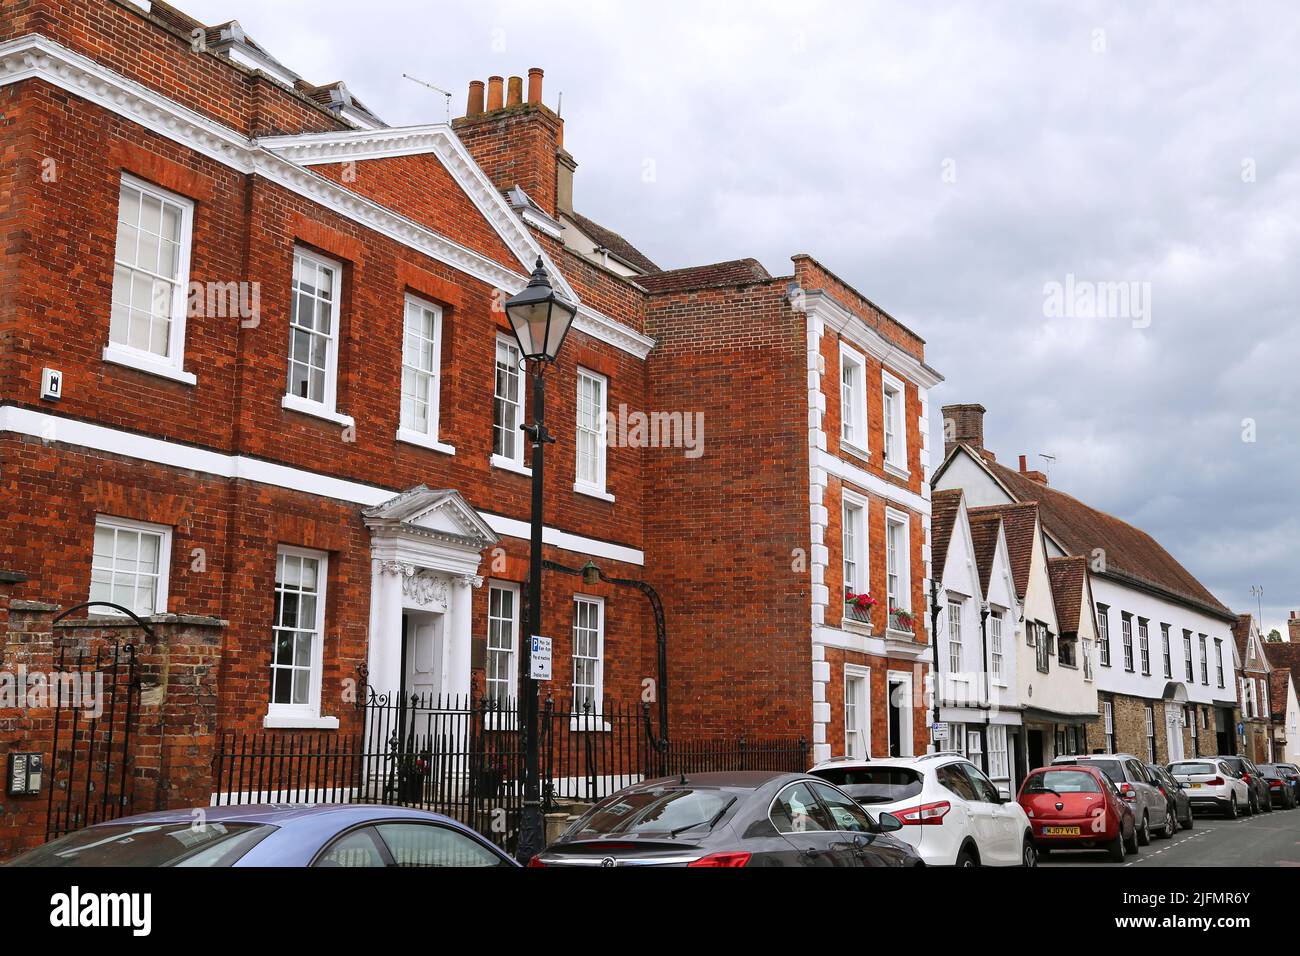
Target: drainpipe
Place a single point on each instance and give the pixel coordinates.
(934, 648)
(984, 650)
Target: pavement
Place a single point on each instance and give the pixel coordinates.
(1266, 839)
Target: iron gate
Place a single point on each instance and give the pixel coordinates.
(96, 700)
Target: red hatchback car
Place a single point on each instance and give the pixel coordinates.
(1077, 808)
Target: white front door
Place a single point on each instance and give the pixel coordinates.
(423, 653)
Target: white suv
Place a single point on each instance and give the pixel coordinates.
(952, 814)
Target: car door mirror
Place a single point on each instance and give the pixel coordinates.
(888, 823)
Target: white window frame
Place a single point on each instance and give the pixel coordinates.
(1108, 725)
(999, 753)
(120, 353)
(1205, 660)
(598, 690)
(164, 532)
(903, 549)
(406, 432)
(1218, 655)
(308, 714)
(327, 407)
(1188, 662)
(954, 609)
(897, 462)
(851, 501)
(596, 489)
(1166, 638)
(853, 414)
(513, 462)
(856, 672)
(1085, 649)
(511, 680)
(996, 619)
(1126, 641)
(1144, 645)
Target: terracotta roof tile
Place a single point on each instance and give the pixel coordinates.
(1284, 654)
(1277, 682)
(615, 243)
(1068, 575)
(984, 535)
(943, 517)
(1130, 552)
(1018, 522)
(734, 273)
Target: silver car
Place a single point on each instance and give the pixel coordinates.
(1150, 807)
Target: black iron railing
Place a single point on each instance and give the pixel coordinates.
(464, 758)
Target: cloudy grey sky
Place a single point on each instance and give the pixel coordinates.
(950, 160)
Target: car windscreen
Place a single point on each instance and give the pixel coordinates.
(665, 810)
(1112, 768)
(1063, 781)
(150, 844)
(1189, 767)
(874, 784)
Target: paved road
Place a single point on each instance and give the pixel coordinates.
(1266, 839)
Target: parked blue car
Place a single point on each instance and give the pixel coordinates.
(344, 835)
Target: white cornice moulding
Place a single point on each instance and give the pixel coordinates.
(158, 451)
(821, 306)
(37, 57)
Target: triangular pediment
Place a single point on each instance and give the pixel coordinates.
(438, 512)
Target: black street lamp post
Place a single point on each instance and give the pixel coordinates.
(540, 320)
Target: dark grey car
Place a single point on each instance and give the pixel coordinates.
(752, 818)
(1180, 804)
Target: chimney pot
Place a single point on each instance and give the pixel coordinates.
(515, 91)
(535, 85)
(475, 105)
(496, 93)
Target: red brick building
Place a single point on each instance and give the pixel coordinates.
(253, 366)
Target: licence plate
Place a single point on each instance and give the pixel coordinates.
(1196, 786)
(1060, 831)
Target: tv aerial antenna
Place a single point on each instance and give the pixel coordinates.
(436, 89)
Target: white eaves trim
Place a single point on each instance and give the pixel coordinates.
(37, 57)
(822, 306)
(69, 431)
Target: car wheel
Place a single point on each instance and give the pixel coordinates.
(1171, 826)
(1190, 821)
(967, 857)
(1117, 849)
(1268, 804)
(1131, 842)
(1028, 852)
(1232, 807)
(1144, 832)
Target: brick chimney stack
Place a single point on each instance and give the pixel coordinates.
(1293, 628)
(518, 140)
(964, 424)
(1037, 476)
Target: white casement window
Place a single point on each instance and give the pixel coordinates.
(1165, 640)
(508, 408)
(857, 715)
(1218, 657)
(314, 334)
(1196, 743)
(894, 422)
(995, 644)
(588, 653)
(1144, 646)
(957, 738)
(421, 372)
(502, 639)
(1108, 724)
(590, 435)
(1126, 630)
(129, 565)
(999, 764)
(151, 270)
(853, 398)
(298, 633)
(897, 553)
(1265, 710)
(1151, 733)
(954, 639)
(853, 543)
(1187, 654)
(1205, 661)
